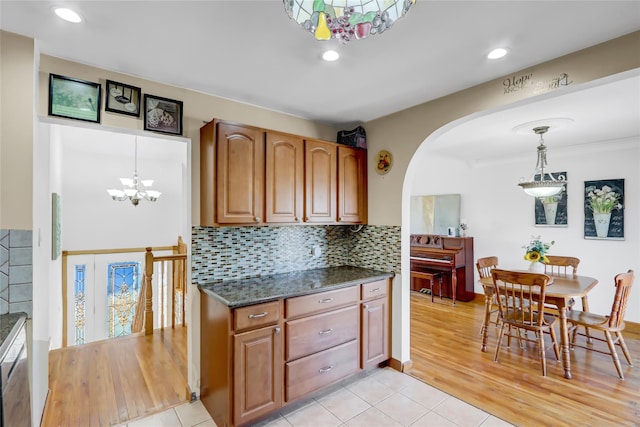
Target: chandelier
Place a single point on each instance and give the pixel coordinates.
(346, 19)
(135, 189)
(546, 185)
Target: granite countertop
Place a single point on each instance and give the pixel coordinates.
(242, 292)
(7, 323)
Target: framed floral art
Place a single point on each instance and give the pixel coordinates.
(551, 211)
(604, 209)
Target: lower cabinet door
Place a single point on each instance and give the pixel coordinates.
(257, 373)
(375, 332)
(318, 370)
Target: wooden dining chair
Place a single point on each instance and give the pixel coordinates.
(611, 324)
(520, 294)
(484, 266)
(556, 264)
(560, 265)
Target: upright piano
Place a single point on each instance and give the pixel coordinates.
(452, 256)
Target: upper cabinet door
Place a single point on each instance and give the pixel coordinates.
(240, 174)
(352, 185)
(284, 189)
(320, 181)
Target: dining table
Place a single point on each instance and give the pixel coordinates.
(559, 291)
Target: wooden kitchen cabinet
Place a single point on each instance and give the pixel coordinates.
(284, 178)
(257, 374)
(375, 323)
(254, 176)
(258, 358)
(352, 185)
(239, 174)
(320, 181)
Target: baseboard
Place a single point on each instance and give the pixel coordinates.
(400, 366)
(632, 327)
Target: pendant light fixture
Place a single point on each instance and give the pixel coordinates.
(346, 20)
(135, 189)
(542, 184)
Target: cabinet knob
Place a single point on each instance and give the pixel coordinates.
(276, 330)
(366, 306)
(296, 219)
(257, 219)
(339, 219)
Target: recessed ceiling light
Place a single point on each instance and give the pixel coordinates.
(497, 53)
(68, 14)
(330, 56)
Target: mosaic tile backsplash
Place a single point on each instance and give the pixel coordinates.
(16, 271)
(222, 253)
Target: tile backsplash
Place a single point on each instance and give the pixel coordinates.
(16, 271)
(220, 253)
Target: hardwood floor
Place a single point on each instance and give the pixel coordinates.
(445, 351)
(113, 381)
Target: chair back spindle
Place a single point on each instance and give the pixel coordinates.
(556, 264)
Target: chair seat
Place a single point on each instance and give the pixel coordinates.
(591, 320)
(515, 316)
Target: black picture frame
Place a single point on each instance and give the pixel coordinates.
(552, 211)
(122, 98)
(74, 98)
(610, 227)
(162, 115)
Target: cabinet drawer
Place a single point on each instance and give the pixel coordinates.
(318, 370)
(257, 315)
(300, 306)
(374, 289)
(316, 333)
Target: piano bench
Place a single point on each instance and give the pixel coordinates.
(430, 277)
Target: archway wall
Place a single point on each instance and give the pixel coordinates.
(404, 133)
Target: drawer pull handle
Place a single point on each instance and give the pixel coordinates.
(375, 290)
(325, 300)
(326, 331)
(257, 316)
(326, 369)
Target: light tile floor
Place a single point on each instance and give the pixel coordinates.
(384, 398)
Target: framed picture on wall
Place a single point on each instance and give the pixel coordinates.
(162, 115)
(74, 98)
(122, 98)
(604, 209)
(552, 211)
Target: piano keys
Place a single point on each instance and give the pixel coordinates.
(453, 256)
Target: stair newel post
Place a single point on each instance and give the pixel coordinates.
(148, 302)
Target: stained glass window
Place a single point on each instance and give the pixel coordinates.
(79, 303)
(122, 295)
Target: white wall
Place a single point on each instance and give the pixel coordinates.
(501, 220)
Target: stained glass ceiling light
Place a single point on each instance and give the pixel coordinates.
(346, 20)
(135, 189)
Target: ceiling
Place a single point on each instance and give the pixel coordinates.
(250, 51)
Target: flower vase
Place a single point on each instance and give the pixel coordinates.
(602, 223)
(550, 210)
(536, 267)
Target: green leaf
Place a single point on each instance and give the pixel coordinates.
(368, 17)
(318, 5)
(356, 18)
(330, 11)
